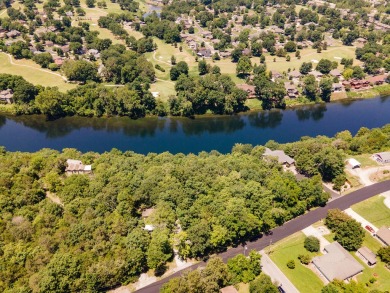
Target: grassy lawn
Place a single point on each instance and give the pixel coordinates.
(243, 288)
(31, 74)
(302, 277)
(374, 210)
(164, 88)
(307, 55)
(365, 160)
(254, 104)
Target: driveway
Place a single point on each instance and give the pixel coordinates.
(311, 231)
(360, 219)
(271, 269)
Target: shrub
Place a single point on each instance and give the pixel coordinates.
(312, 244)
(158, 67)
(291, 264)
(304, 259)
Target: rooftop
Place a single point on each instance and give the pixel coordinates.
(282, 157)
(384, 234)
(367, 254)
(337, 263)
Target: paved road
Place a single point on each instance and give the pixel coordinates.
(276, 274)
(288, 228)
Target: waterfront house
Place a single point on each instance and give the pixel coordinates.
(77, 167)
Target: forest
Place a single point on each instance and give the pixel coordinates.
(94, 237)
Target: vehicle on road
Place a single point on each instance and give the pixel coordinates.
(281, 290)
(370, 229)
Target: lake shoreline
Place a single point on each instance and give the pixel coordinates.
(372, 93)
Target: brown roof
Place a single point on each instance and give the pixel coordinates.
(378, 78)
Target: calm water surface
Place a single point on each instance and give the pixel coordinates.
(205, 133)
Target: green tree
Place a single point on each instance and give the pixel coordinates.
(80, 70)
(90, 3)
(324, 66)
(262, 284)
(244, 66)
(310, 87)
(312, 244)
(160, 250)
(305, 68)
(326, 88)
(202, 67)
(290, 46)
(43, 59)
(50, 102)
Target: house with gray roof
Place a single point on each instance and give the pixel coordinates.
(383, 235)
(367, 255)
(280, 155)
(337, 263)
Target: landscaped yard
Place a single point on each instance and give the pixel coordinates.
(374, 211)
(304, 279)
(33, 73)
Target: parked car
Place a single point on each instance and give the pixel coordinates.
(370, 229)
(281, 290)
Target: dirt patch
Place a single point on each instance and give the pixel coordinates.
(380, 175)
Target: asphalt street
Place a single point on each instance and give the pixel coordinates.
(287, 229)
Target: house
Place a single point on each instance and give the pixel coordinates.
(207, 34)
(316, 74)
(353, 163)
(367, 255)
(280, 155)
(13, 34)
(146, 213)
(275, 75)
(337, 263)
(69, 13)
(377, 80)
(203, 52)
(228, 289)
(246, 52)
(383, 158)
(65, 48)
(250, 89)
(383, 235)
(335, 73)
(291, 90)
(77, 167)
(49, 43)
(149, 228)
(361, 41)
(58, 61)
(225, 54)
(6, 96)
(295, 74)
(337, 87)
(93, 52)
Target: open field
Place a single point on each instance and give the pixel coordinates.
(304, 279)
(374, 211)
(33, 73)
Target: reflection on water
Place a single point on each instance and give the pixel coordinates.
(178, 134)
(315, 113)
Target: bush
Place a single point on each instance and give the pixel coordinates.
(312, 244)
(304, 259)
(291, 264)
(158, 67)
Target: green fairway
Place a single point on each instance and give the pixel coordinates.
(302, 277)
(33, 73)
(374, 211)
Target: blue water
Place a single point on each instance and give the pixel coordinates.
(205, 133)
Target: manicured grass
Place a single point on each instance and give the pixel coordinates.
(304, 279)
(374, 211)
(254, 104)
(307, 55)
(365, 160)
(33, 73)
(243, 288)
(164, 88)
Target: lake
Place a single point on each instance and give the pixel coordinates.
(204, 133)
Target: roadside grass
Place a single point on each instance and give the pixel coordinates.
(31, 74)
(304, 279)
(353, 181)
(365, 160)
(374, 210)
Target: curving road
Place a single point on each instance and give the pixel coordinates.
(288, 228)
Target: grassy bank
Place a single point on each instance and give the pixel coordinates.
(381, 90)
